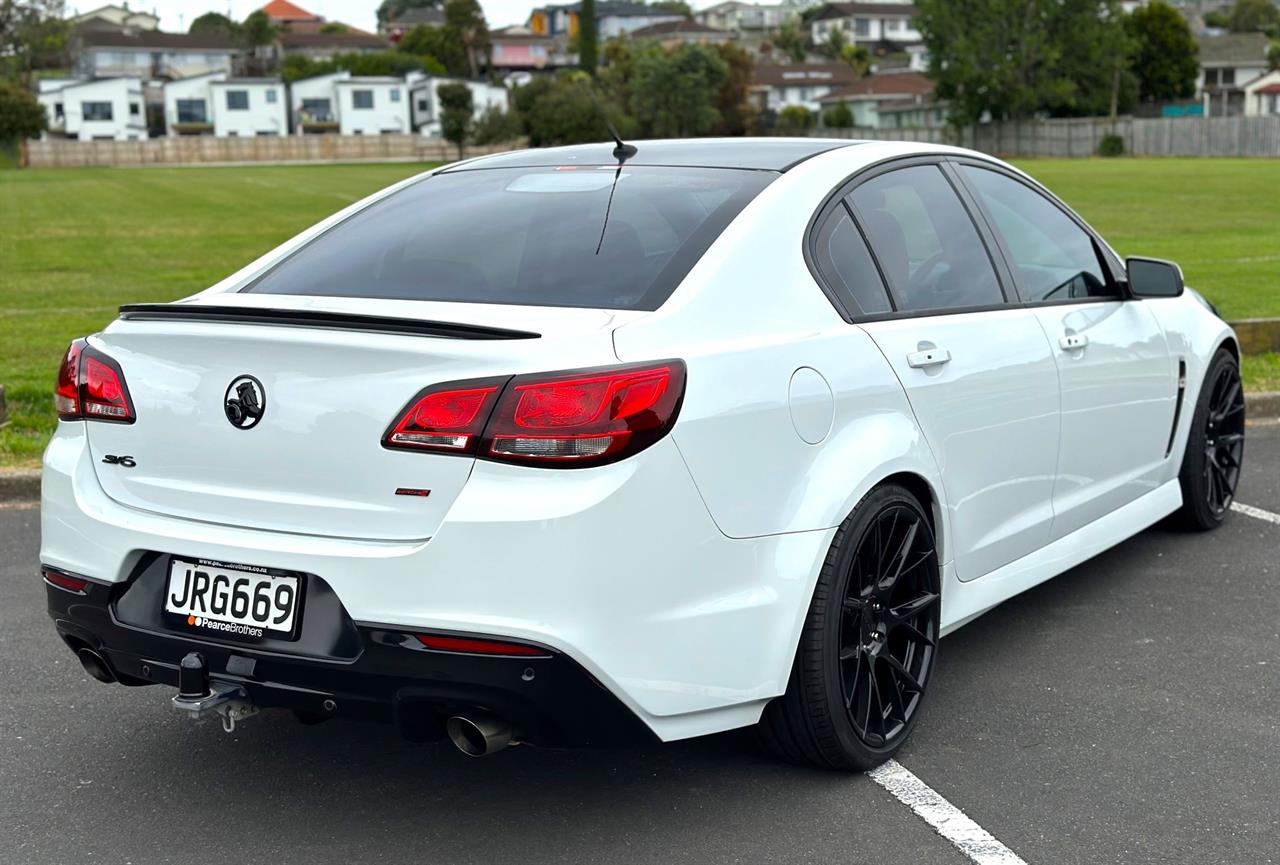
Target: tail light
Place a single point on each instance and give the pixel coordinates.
(573, 418)
(91, 386)
(471, 646)
(64, 581)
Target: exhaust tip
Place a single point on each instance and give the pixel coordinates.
(478, 735)
(95, 665)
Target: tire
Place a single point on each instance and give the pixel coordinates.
(868, 646)
(1215, 447)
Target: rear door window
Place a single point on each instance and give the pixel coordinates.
(531, 236)
(927, 246)
(845, 263)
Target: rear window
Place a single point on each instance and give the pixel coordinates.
(532, 236)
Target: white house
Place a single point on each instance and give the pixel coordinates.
(149, 53)
(867, 23)
(776, 86)
(1262, 95)
(116, 16)
(214, 104)
(613, 18)
(105, 108)
(1227, 64)
(738, 17)
(350, 105)
(425, 107)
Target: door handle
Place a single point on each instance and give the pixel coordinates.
(1072, 341)
(928, 357)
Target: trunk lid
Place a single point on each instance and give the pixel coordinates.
(314, 463)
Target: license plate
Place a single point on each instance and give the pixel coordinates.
(235, 601)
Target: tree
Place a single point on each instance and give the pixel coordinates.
(794, 120)
(33, 35)
(1252, 16)
(21, 117)
(838, 116)
(674, 92)
(257, 30)
(436, 42)
(790, 40)
(1164, 53)
(390, 10)
(1273, 56)
(464, 21)
(496, 126)
(835, 44)
(455, 113)
(733, 102)
(561, 110)
(675, 7)
(857, 58)
(214, 24)
(588, 38)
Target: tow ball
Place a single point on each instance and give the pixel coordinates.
(198, 696)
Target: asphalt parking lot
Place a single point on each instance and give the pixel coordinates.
(1126, 712)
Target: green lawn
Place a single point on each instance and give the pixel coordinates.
(77, 243)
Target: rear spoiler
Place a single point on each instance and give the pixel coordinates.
(317, 319)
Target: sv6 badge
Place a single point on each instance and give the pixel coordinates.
(122, 460)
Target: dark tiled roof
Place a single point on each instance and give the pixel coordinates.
(803, 74)
(153, 39)
(417, 16)
(684, 25)
(849, 10)
(1246, 48)
(893, 85)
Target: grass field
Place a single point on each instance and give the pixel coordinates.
(77, 243)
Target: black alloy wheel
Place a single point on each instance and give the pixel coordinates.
(869, 642)
(1214, 454)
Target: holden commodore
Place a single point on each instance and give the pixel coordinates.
(648, 441)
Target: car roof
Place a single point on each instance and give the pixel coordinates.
(762, 154)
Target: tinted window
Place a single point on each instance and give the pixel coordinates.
(95, 110)
(237, 100)
(361, 98)
(1053, 258)
(844, 262)
(926, 245)
(536, 236)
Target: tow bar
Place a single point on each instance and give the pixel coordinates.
(198, 696)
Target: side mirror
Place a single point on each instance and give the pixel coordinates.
(1153, 277)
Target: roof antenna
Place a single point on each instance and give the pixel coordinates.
(621, 150)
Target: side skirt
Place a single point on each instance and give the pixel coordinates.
(964, 602)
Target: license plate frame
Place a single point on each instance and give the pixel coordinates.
(223, 627)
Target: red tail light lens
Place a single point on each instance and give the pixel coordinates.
(63, 581)
(91, 386)
(469, 646)
(447, 417)
(573, 418)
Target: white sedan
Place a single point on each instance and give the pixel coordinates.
(655, 440)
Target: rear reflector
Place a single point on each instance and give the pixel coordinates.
(91, 386)
(574, 418)
(62, 581)
(468, 646)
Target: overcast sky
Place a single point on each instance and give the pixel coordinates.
(176, 15)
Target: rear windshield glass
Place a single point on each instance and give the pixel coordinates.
(535, 236)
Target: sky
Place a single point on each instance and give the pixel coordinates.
(177, 15)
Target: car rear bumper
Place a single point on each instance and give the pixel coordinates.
(371, 672)
(619, 569)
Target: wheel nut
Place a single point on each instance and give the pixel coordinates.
(330, 705)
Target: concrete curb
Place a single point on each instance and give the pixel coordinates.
(1263, 407)
(1258, 335)
(19, 485)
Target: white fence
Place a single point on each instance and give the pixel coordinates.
(1080, 136)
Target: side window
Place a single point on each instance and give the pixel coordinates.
(1053, 258)
(926, 244)
(845, 264)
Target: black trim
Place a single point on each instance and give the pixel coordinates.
(369, 670)
(316, 319)
(1177, 406)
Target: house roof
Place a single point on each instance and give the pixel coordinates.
(283, 10)
(849, 10)
(150, 39)
(802, 74)
(1268, 88)
(517, 34)
(682, 25)
(349, 39)
(614, 8)
(418, 16)
(883, 88)
(898, 105)
(1234, 49)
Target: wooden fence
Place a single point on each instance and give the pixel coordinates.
(1080, 136)
(195, 150)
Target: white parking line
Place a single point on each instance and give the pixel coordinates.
(1258, 513)
(948, 820)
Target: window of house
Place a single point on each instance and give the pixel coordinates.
(134, 109)
(192, 111)
(362, 99)
(1053, 258)
(95, 110)
(845, 263)
(318, 110)
(237, 100)
(1210, 77)
(927, 246)
(395, 95)
(422, 105)
(862, 26)
(58, 111)
(271, 96)
(1228, 78)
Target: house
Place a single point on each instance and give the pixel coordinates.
(683, 31)
(117, 17)
(349, 105)
(885, 25)
(903, 98)
(102, 53)
(749, 18)
(1262, 95)
(775, 86)
(215, 104)
(1227, 64)
(420, 16)
(516, 49)
(613, 18)
(93, 110)
(425, 106)
(300, 32)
